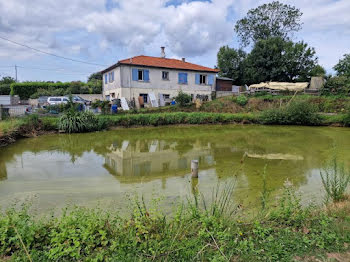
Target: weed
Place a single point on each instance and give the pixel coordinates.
(335, 180)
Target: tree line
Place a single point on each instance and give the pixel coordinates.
(267, 32)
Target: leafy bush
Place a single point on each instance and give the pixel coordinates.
(5, 89)
(337, 85)
(335, 180)
(183, 99)
(77, 122)
(298, 112)
(241, 100)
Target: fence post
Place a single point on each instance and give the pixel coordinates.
(194, 168)
(1, 111)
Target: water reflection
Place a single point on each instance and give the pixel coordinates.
(154, 158)
(105, 166)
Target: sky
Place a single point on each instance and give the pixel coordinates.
(105, 31)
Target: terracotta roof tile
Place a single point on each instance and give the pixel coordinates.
(162, 63)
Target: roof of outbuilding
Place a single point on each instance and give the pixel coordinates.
(160, 62)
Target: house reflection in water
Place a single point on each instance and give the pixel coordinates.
(152, 159)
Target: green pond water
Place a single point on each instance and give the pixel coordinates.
(104, 169)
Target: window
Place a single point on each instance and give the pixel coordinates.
(202, 79)
(106, 79)
(111, 76)
(140, 75)
(166, 96)
(165, 75)
(182, 78)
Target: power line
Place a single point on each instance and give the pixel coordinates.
(53, 69)
(51, 54)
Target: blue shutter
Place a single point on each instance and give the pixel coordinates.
(113, 76)
(134, 74)
(210, 80)
(197, 79)
(106, 79)
(180, 78)
(185, 78)
(146, 75)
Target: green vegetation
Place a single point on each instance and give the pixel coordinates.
(295, 113)
(242, 100)
(183, 99)
(78, 122)
(197, 231)
(5, 84)
(27, 90)
(270, 20)
(335, 180)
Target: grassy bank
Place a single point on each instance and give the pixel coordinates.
(15, 128)
(196, 231)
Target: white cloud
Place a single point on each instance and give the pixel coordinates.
(191, 29)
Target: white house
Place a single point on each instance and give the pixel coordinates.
(137, 77)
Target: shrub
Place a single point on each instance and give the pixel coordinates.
(241, 100)
(335, 180)
(5, 89)
(296, 113)
(337, 85)
(77, 122)
(183, 99)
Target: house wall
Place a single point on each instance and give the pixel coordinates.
(124, 86)
(112, 89)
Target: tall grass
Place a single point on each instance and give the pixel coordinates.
(298, 112)
(192, 233)
(335, 180)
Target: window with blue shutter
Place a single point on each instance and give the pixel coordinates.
(106, 79)
(146, 75)
(197, 79)
(135, 74)
(112, 76)
(182, 78)
(210, 80)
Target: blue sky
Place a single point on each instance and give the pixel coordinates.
(105, 31)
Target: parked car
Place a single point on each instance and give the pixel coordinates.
(78, 99)
(57, 100)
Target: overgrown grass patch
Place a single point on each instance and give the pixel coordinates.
(197, 231)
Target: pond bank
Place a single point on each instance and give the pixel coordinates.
(218, 232)
(31, 126)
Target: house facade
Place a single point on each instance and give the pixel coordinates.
(140, 76)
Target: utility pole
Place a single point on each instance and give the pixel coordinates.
(16, 72)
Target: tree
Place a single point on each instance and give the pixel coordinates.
(7, 80)
(343, 66)
(230, 62)
(95, 76)
(275, 59)
(318, 71)
(269, 20)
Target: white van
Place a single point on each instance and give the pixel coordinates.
(57, 100)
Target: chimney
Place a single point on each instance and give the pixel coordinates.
(162, 53)
(183, 59)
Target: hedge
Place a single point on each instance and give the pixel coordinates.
(27, 89)
(5, 89)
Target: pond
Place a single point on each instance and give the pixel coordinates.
(106, 168)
